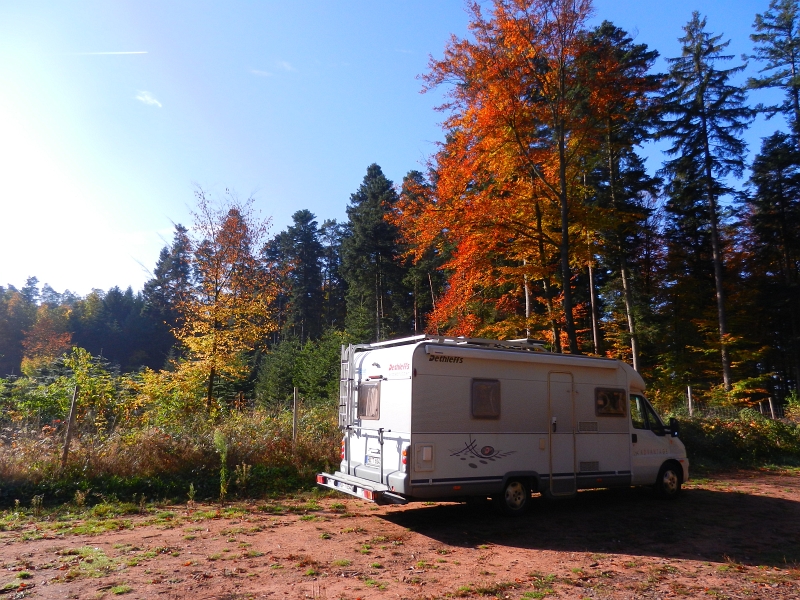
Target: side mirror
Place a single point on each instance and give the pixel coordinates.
(674, 426)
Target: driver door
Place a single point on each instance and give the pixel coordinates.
(649, 442)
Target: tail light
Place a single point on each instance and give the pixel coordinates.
(404, 459)
(343, 445)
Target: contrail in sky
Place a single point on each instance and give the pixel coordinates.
(105, 53)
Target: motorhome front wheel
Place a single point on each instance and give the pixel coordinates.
(668, 483)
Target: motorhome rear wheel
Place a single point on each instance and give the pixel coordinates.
(668, 484)
(516, 498)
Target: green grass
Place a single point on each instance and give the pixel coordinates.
(86, 561)
(342, 562)
(493, 589)
(121, 589)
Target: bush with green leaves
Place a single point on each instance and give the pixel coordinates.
(44, 397)
(749, 440)
(313, 368)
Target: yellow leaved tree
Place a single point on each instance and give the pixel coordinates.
(227, 312)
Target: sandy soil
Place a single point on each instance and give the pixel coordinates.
(736, 535)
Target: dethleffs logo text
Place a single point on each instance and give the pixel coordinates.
(445, 359)
(400, 367)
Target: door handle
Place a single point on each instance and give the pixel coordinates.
(555, 425)
(634, 438)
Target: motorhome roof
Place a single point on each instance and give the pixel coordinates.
(520, 344)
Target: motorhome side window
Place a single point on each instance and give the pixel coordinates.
(486, 398)
(369, 400)
(609, 402)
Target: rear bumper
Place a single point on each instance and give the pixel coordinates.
(360, 488)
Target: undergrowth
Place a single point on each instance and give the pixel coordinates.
(751, 440)
(166, 462)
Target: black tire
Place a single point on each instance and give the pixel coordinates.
(516, 498)
(669, 480)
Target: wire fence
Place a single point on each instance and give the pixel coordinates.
(769, 410)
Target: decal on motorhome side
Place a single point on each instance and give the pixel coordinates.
(445, 359)
(483, 454)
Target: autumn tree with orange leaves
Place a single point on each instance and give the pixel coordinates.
(229, 310)
(47, 339)
(527, 116)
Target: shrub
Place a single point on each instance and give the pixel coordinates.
(161, 462)
(747, 440)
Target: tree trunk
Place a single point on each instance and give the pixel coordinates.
(548, 290)
(566, 271)
(623, 267)
(626, 288)
(210, 390)
(716, 251)
(213, 372)
(795, 92)
(789, 281)
(593, 298)
(377, 308)
(527, 301)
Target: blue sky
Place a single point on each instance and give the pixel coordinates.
(111, 113)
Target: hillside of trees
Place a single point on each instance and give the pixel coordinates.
(535, 218)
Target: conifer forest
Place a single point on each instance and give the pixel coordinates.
(536, 217)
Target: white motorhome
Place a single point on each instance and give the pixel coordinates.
(440, 418)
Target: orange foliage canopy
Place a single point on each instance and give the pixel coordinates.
(526, 116)
(49, 337)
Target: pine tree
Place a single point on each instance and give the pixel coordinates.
(684, 296)
(17, 315)
(300, 249)
(773, 220)
(377, 300)
(334, 308)
(624, 190)
(424, 278)
(625, 118)
(777, 43)
(705, 118)
(170, 284)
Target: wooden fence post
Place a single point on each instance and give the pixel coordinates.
(70, 425)
(771, 407)
(294, 418)
(689, 394)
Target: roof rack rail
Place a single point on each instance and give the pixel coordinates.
(530, 345)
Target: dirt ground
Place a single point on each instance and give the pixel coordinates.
(736, 535)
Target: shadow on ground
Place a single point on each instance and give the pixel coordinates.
(700, 525)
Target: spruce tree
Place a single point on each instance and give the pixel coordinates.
(620, 178)
(17, 315)
(424, 277)
(773, 221)
(705, 116)
(684, 296)
(377, 300)
(300, 249)
(333, 286)
(777, 44)
(171, 281)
